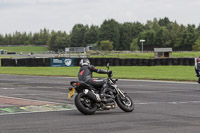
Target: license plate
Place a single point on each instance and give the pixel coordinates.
(71, 93)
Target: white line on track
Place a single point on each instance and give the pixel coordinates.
(7, 88)
(160, 81)
(173, 102)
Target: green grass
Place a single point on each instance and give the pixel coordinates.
(99, 54)
(185, 54)
(176, 73)
(145, 55)
(46, 71)
(125, 55)
(25, 49)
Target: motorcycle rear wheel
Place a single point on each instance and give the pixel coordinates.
(125, 103)
(84, 104)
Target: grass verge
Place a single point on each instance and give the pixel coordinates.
(25, 49)
(175, 73)
(145, 55)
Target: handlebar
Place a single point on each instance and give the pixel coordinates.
(113, 80)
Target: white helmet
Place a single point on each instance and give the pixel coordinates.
(84, 62)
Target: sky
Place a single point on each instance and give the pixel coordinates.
(33, 15)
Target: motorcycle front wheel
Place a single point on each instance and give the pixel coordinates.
(84, 104)
(125, 103)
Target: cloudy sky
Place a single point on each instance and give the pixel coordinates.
(33, 15)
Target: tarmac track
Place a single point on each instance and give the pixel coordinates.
(160, 107)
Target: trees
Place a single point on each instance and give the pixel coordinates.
(164, 22)
(1, 39)
(58, 41)
(149, 37)
(91, 35)
(43, 37)
(183, 37)
(16, 38)
(192, 36)
(126, 35)
(134, 45)
(40, 38)
(156, 33)
(109, 30)
(77, 35)
(36, 39)
(196, 46)
(198, 30)
(7, 40)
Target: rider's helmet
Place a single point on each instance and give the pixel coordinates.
(84, 62)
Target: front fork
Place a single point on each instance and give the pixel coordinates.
(119, 92)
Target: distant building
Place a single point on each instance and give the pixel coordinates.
(80, 49)
(75, 50)
(162, 52)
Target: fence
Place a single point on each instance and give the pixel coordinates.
(99, 61)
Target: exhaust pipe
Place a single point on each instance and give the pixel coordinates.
(91, 95)
(111, 106)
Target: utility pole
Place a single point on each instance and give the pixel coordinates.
(142, 41)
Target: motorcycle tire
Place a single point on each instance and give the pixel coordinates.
(121, 102)
(81, 105)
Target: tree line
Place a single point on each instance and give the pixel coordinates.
(112, 35)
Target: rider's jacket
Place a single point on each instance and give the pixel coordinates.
(197, 63)
(197, 66)
(85, 72)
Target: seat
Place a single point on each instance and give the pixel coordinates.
(82, 83)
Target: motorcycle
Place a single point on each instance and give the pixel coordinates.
(88, 99)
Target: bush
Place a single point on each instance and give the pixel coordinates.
(106, 45)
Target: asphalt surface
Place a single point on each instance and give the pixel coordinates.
(160, 107)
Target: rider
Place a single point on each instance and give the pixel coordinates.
(197, 67)
(85, 74)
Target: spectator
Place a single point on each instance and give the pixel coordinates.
(197, 67)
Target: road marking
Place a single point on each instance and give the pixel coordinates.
(173, 102)
(7, 88)
(35, 109)
(159, 81)
(56, 108)
(34, 112)
(22, 105)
